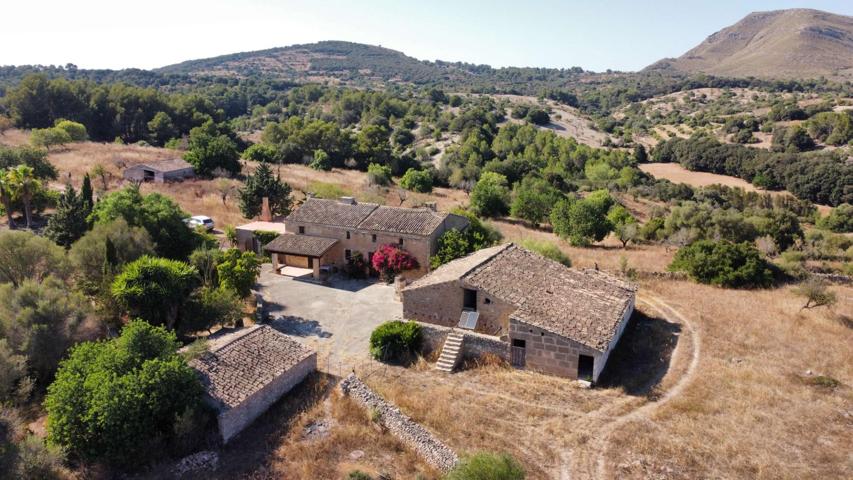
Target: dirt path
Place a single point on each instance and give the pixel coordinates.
(590, 460)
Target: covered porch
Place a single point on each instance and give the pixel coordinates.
(300, 255)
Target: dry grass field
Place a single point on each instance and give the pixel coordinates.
(706, 383)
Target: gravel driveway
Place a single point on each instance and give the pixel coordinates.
(334, 319)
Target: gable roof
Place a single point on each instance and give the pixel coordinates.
(301, 245)
(331, 212)
(370, 216)
(583, 305)
(240, 364)
(167, 165)
(413, 221)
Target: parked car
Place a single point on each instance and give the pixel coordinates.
(200, 221)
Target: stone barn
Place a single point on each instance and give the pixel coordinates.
(554, 319)
(245, 372)
(173, 170)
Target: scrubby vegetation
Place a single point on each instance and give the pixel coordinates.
(395, 341)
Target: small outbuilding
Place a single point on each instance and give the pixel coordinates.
(251, 236)
(245, 372)
(173, 170)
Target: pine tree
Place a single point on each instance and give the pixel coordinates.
(86, 195)
(263, 184)
(69, 222)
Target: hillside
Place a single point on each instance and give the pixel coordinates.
(328, 59)
(797, 43)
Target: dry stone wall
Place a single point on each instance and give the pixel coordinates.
(474, 345)
(431, 449)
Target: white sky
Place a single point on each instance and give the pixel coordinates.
(596, 35)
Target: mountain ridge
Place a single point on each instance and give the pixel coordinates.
(793, 43)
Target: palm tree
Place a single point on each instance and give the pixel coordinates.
(6, 192)
(25, 185)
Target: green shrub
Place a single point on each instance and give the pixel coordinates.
(395, 341)
(487, 466)
(358, 475)
(548, 250)
(328, 190)
(723, 263)
(417, 181)
(378, 174)
(264, 237)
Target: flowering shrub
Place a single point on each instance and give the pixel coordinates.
(390, 260)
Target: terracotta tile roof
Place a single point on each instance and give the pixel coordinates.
(242, 363)
(583, 305)
(331, 212)
(457, 268)
(412, 221)
(372, 217)
(168, 165)
(301, 244)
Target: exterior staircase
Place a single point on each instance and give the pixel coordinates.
(450, 353)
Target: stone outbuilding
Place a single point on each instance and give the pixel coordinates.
(555, 319)
(245, 372)
(249, 233)
(341, 228)
(173, 170)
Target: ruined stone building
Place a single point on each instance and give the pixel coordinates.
(245, 372)
(554, 319)
(323, 234)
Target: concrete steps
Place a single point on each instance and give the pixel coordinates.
(450, 353)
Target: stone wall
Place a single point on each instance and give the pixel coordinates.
(474, 345)
(439, 304)
(430, 448)
(547, 352)
(233, 421)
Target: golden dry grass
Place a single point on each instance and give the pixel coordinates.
(750, 412)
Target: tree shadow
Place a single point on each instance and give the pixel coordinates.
(642, 357)
(255, 447)
(300, 327)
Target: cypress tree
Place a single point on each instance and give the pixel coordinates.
(86, 195)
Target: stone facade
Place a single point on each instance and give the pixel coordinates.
(474, 345)
(551, 318)
(246, 371)
(233, 421)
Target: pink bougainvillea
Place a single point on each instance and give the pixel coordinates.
(391, 260)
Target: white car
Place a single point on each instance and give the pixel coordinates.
(200, 221)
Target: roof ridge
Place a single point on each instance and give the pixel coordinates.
(488, 259)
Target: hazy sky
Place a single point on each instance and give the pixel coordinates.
(595, 35)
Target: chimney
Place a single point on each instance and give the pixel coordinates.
(347, 200)
(431, 206)
(266, 214)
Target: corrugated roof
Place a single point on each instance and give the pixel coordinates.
(242, 363)
(301, 245)
(331, 212)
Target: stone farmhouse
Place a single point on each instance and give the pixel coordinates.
(245, 372)
(172, 170)
(324, 234)
(551, 318)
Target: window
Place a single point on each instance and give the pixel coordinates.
(373, 237)
(347, 237)
(400, 241)
(487, 301)
(347, 253)
(301, 230)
